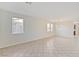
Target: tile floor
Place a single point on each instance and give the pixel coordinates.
(50, 47)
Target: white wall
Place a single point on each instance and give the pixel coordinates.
(34, 28)
(65, 29)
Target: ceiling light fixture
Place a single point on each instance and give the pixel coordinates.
(28, 3)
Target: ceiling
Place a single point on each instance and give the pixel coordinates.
(50, 10)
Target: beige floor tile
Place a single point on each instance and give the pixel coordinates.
(50, 47)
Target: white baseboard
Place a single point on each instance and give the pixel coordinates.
(26, 41)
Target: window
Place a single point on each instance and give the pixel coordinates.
(17, 25)
(49, 27)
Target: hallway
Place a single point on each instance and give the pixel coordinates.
(48, 47)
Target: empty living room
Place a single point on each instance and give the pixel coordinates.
(39, 29)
